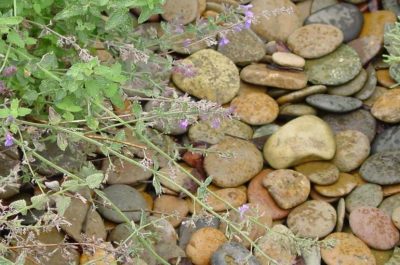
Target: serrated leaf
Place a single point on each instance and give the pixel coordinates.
(71, 11)
(39, 201)
(92, 122)
(10, 21)
(117, 18)
(20, 206)
(94, 181)
(68, 104)
(54, 117)
(23, 112)
(62, 142)
(62, 204)
(49, 61)
(14, 38)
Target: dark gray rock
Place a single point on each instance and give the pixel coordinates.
(238, 253)
(370, 85)
(382, 168)
(388, 140)
(334, 103)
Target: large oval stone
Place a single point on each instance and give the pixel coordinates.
(304, 139)
(233, 162)
(382, 168)
(387, 107)
(388, 140)
(215, 77)
(333, 103)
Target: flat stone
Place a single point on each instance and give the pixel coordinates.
(313, 219)
(396, 217)
(94, 225)
(315, 40)
(75, 214)
(122, 172)
(207, 132)
(243, 47)
(288, 59)
(389, 190)
(319, 172)
(395, 259)
(266, 24)
(365, 195)
(341, 214)
(255, 108)
(247, 88)
(333, 103)
(345, 184)
(367, 47)
(301, 94)
(391, 5)
(382, 168)
(296, 110)
(244, 162)
(203, 243)
(182, 11)
(384, 78)
(350, 87)
(276, 245)
(378, 92)
(288, 187)
(374, 23)
(187, 228)
(387, 106)
(369, 86)
(257, 194)
(261, 74)
(352, 148)
(374, 227)
(381, 256)
(344, 16)
(216, 77)
(318, 197)
(388, 140)
(175, 208)
(7, 164)
(359, 120)
(126, 198)
(304, 9)
(176, 179)
(233, 251)
(303, 139)
(390, 203)
(347, 250)
(234, 197)
(318, 5)
(336, 68)
(311, 255)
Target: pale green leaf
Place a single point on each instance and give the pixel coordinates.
(10, 21)
(62, 204)
(94, 181)
(20, 206)
(39, 201)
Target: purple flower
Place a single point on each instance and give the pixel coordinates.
(9, 71)
(186, 43)
(243, 209)
(246, 7)
(183, 124)
(215, 123)
(223, 41)
(238, 28)
(9, 140)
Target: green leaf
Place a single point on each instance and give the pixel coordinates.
(117, 101)
(68, 103)
(92, 122)
(112, 73)
(30, 96)
(49, 61)
(62, 142)
(68, 116)
(20, 206)
(94, 181)
(110, 89)
(23, 112)
(71, 11)
(39, 201)
(117, 18)
(14, 38)
(62, 204)
(4, 113)
(54, 117)
(10, 21)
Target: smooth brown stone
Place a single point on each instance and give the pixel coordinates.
(296, 110)
(384, 78)
(367, 47)
(175, 208)
(374, 23)
(258, 194)
(288, 59)
(389, 190)
(319, 172)
(345, 184)
(260, 74)
(182, 11)
(341, 214)
(379, 91)
(247, 88)
(396, 217)
(318, 197)
(233, 196)
(387, 107)
(301, 94)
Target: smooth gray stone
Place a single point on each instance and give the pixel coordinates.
(320, 4)
(369, 86)
(389, 204)
(344, 16)
(382, 168)
(334, 103)
(237, 252)
(188, 228)
(388, 140)
(392, 5)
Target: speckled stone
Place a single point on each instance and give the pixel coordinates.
(303, 139)
(382, 168)
(387, 106)
(314, 219)
(183, 11)
(296, 110)
(318, 5)
(255, 108)
(244, 47)
(388, 140)
(175, 178)
(288, 187)
(260, 74)
(396, 217)
(267, 24)
(333, 103)
(175, 208)
(127, 199)
(392, 5)
(124, 173)
(359, 120)
(378, 92)
(374, 227)
(301, 94)
(350, 87)
(341, 214)
(319, 172)
(276, 245)
(204, 131)
(258, 194)
(347, 250)
(315, 40)
(304, 8)
(345, 184)
(367, 47)
(390, 203)
(234, 197)
(288, 59)
(216, 77)
(336, 68)
(345, 16)
(318, 197)
(244, 162)
(370, 85)
(352, 148)
(234, 251)
(365, 195)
